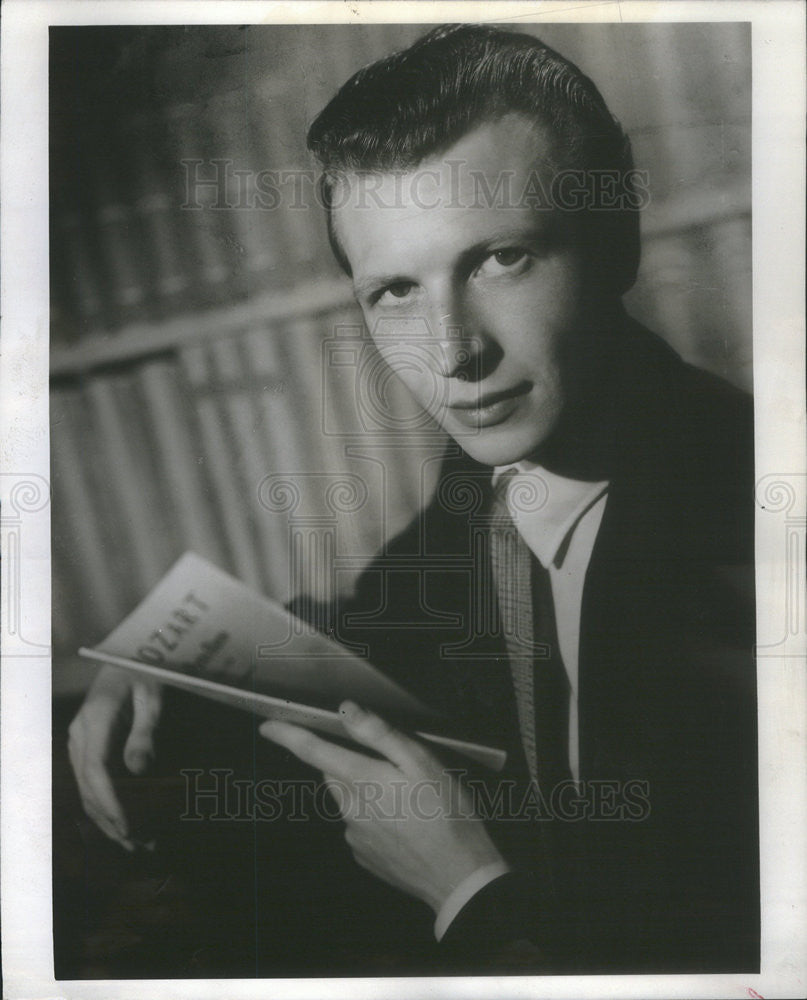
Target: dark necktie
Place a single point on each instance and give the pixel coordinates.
(527, 616)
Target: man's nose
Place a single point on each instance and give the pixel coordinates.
(456, 355)
(464, 343)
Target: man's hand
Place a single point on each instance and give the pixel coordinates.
(95, 735)
(409, 822)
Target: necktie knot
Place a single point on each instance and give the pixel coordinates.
(499, 508)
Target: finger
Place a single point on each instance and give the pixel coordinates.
(94, 784)
(106, 826)
(375, 733)
(325, 756)
(91, 732)
(99, 791)
(109, 825)
(138, 751)
(340, 793)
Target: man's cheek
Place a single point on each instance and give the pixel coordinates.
(417, 377)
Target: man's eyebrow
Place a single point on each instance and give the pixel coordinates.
(375, 281)
(515, 234)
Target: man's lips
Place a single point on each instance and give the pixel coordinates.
(489, 398)
(491, 408)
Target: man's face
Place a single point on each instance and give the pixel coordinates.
(475, 301)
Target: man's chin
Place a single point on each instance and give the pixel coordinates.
(496, 448)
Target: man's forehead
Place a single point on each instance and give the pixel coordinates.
(489, 161)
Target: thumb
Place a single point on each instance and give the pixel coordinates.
(138, 752)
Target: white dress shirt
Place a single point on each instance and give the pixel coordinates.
(559, 519)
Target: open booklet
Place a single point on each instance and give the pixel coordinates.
(203, 631)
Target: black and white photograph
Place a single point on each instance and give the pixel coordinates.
(419, 575)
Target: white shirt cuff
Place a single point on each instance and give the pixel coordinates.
(468, 888)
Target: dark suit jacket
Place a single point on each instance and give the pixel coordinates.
(667, 697)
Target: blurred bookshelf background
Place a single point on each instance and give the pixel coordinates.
(195, 400)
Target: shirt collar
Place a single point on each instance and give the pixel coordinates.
(546, 507)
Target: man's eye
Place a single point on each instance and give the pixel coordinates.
(508, 257)
(508, 260)
(400, 290)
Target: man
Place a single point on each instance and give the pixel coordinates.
(610, 492)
